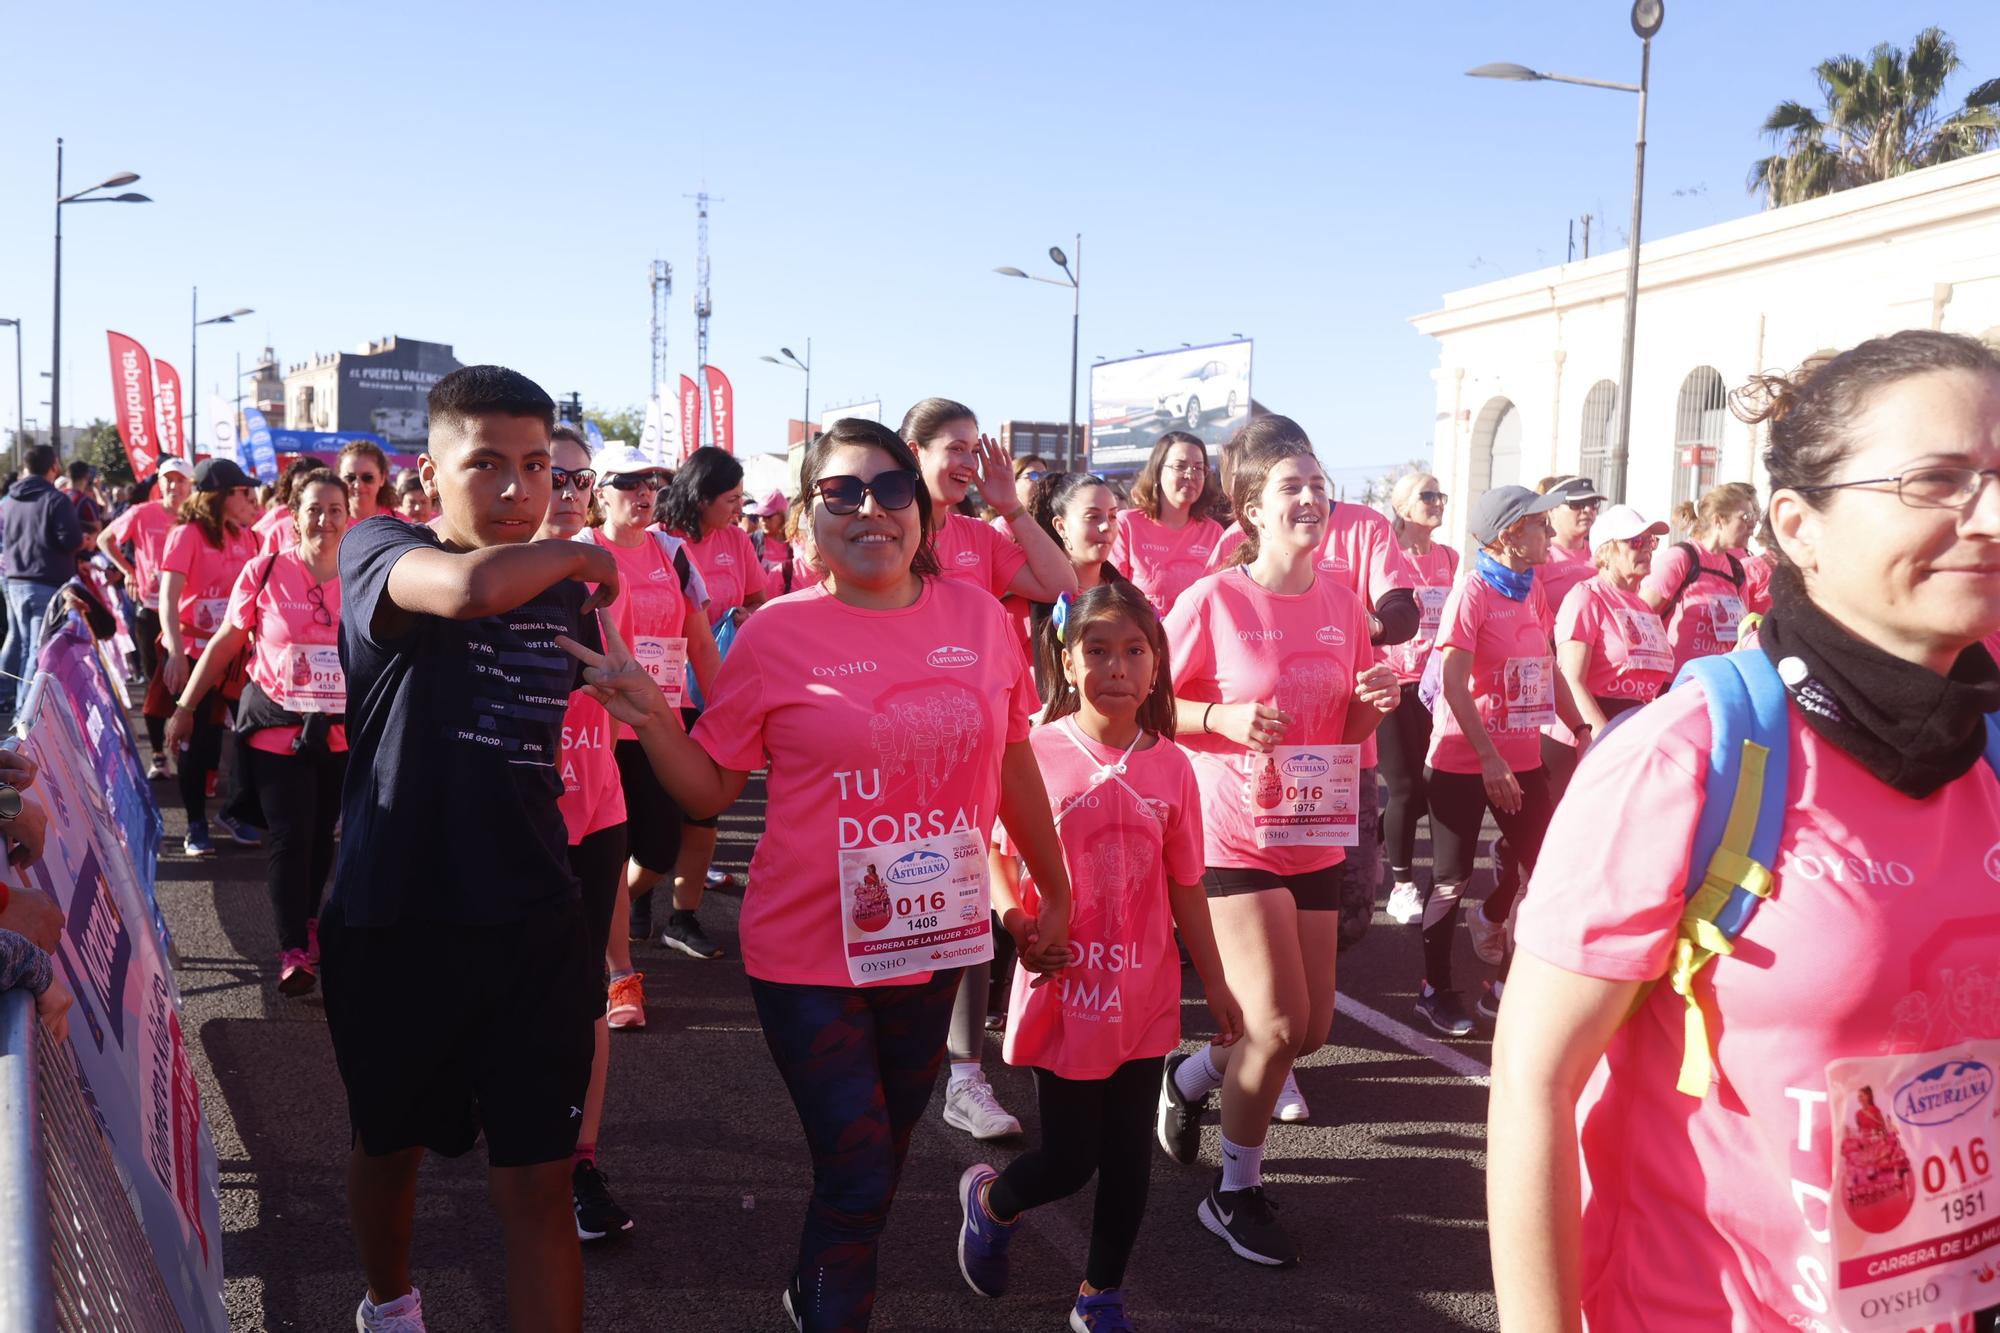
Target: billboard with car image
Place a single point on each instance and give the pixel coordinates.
(1202, 390)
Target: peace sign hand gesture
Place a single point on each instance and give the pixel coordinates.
(616, 680)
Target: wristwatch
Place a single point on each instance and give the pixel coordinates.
(10, 803)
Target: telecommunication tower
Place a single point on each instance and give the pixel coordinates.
(702, 305)
(663, 287)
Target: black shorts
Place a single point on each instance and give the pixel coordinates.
(442, 1030)
(1313, 891)
(599, 863)
(691, 716)
(652, 820)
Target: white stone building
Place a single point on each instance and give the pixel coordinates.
(1528, 367)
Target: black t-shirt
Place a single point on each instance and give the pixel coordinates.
(454, 732)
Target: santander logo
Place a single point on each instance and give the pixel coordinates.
(951, 656)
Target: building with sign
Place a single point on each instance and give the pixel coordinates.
(380, 389)
(1527, 377)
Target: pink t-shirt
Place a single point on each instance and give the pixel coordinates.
(971, 552)
(1361, 551)
(294, 625)
(1566, 567)
(281, 537)
(1756, 581)
(270, 521)
(777, 560)
(1225, 546)
(1878, 940)
(1705, 620)
(878, 727)
(650, 603)
(1513, 675)
(593, 797)
(1123, 842)
(210, 577)
(1630, 657)
(729, 566)
(146, 527)
(1433, 573)
(1232, 641)
(1162, 561)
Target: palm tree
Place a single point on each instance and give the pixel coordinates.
(1882, 119)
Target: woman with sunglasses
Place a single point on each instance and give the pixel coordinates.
(365, 469)
(1610, 645)
(1699, 586)
(1027, 471)
(285, 607)
(1165, 539)
(1416, 506)
(890, 707)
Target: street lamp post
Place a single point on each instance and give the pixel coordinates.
(1647, 16)
(1074, 281)
(791, 361)
(89, 196)
(194, 380)
(20, 393)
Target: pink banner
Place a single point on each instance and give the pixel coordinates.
(132, 395)
(690, 418)
(169, 401)
(721, 410)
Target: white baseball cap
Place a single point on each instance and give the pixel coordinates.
(622, 460)
(1621, 523)
(180, 467)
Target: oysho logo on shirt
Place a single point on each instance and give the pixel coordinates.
(1331, 635)
(966, 559)
(858, 668)
(950, 656)
(1853, 869)
(1259, 635)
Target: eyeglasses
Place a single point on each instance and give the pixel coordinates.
(1581, 506)
(1432, 497)
(1187, 469)
(632, 481)
(1642, 544)
(1033, 474)
(1926, 488)
(316, 599)
(843, 495)
(360, 478)
(578, 479)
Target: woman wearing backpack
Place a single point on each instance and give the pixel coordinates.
(1699, 586)
(1762, 1200)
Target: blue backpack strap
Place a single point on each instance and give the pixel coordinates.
(1993, 743)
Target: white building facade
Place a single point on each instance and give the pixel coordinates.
(1527, 380)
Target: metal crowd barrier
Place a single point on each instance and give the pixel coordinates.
(72, 1253)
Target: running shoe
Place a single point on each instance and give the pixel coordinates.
(1489, 938)
(597, 1213)
(295, 973)
(982, 1241)
(312, 940)
(720, 879)
(248, 835)
(1178, 1123)
(626, 1005)
(641, 925)
(1248, 1224)
(158, 769)
(1445, 1012)
(996, 1020)
(1291, 1107)
(405, 1314)
(1406, 903)
(196, 842)
(1488, 1004)
(1102, 1313)
(684, 932)
(972, 1107)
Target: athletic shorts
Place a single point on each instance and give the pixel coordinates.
(652, 820)
(1313, 891)
(691, 715)
(599, 864)
(442, 1030)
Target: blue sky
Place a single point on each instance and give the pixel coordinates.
(499, 176)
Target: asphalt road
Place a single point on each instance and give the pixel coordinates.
(1383, 1189)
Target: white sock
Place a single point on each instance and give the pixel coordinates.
(1197, 1076)
(403, 1304)
(965, 1071)
(1241, 1167)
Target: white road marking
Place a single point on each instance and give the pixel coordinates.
(1414, 1041)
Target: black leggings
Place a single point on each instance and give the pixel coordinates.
(146, 639)
(202, 757)
(1404, 739)
(1458, 811)
(1102, 1126)
(301, 798)
(598, 862)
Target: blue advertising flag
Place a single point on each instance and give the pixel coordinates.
(263, 453)
(595, 436)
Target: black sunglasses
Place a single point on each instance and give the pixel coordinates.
(843, 495)
(632, 481)
(578, 479)
(1432, 497)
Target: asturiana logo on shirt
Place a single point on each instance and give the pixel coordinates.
(1944, 1092)
(1993, 862)
(918, 867)
(1331, 635)
(951, 656)
(1334, 565)
(966, 559)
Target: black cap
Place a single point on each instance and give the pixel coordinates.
(1504, 506)
(220, 474)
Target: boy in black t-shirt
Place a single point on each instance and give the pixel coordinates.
(460, 986)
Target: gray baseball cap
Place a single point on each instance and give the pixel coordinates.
(1576, 488)
(1504, 506)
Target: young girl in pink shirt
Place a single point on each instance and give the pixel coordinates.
(1165, 540)
(1125, 801)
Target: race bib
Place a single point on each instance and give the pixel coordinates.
(208, 614)
(311, 680)
(665, 661)
(915, 906)
(1430, 610)
(1726, 614)
(1646, 646)
(1305, 796)
(1529, 693)
(1914, 1195)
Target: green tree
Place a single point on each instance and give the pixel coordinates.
(1883, 116)
(625, 423)
(100, 445)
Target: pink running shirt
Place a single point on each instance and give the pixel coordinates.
(879, 727)
(1705, 620)
(1756, 580)
(650, 604)
(593, 796)
(1434, 572)
(294, 657)
(1566, 567)
(281, 537)
(1362, 552)
(969, 551)
(729, 566)
(146, 527)
(210, 577)
(1120, 999)
(1618, 627)
(1162, 561)
(1225, 546)
(1879, 939)
(1513, 676)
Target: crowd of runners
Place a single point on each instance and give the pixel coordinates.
(1028, 757)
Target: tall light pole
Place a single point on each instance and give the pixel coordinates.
(89, 196)
(792, 362)
(20, 393)
(195, 326)
(1647, 16)
(1074, 281)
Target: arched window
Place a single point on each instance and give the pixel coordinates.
(1496, 447)
(1601, 460)
(1698, 421)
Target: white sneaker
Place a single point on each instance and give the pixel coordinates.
(1489, 938)
(1291, 1107)
(972, 1107)
(1406, 903)
(394, 1317)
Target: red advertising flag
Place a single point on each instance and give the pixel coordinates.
(721, 410)
(690, 418)
(169, 403)
(132, 395)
